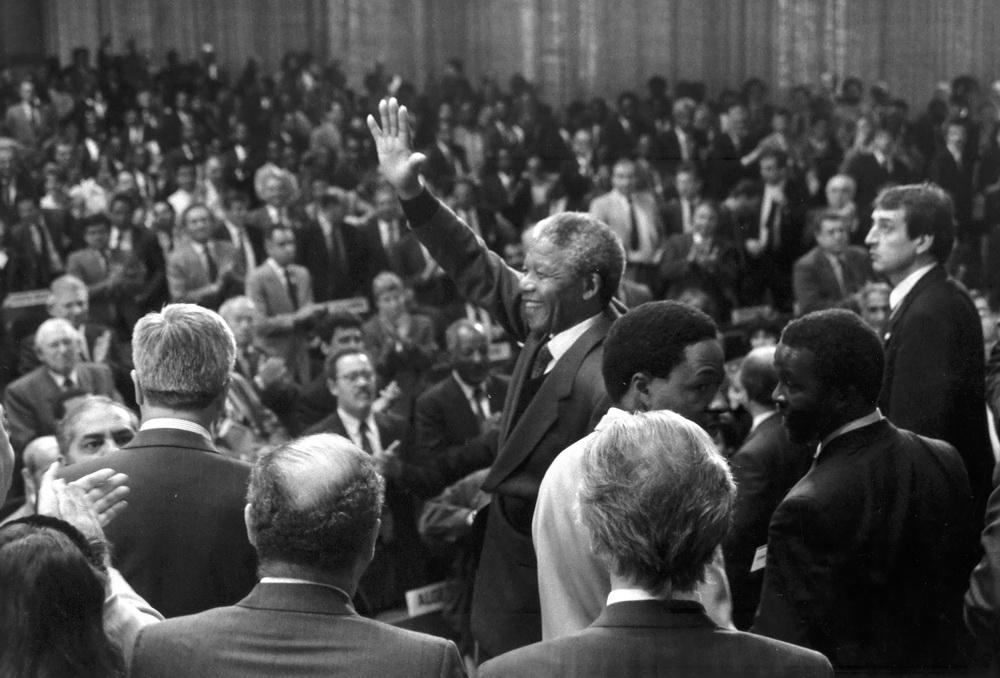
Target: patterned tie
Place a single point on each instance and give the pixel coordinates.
(542, 360)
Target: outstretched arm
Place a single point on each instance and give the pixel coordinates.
(399, 164)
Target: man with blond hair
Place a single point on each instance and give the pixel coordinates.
(181, 544)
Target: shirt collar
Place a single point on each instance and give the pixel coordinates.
(274, 264)
(174, 423)
(293, 580)
(561, 342)
(60, 379)
(352, 423)
(626, 595)
(853, 425)
(467, 389)
(900, 291)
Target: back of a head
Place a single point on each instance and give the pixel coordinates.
(757, 375)
(313, 503)
(657, 499)
(651, 338)
(51, 603)
(592, 247)
(929, 211)
(183, 356)
(847, 353)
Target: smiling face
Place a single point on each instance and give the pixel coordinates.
(801, 397)
(551, 291)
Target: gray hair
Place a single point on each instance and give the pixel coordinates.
(234, 304)
(657, 498)
(314, 502)
(591, 245)
(183, 356)
(51, 325)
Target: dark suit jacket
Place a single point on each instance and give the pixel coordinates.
(449, 439)
(403, 258)
(289, 630)
(871, 177)
(815, 283)
(30, 401)
(934, 380)
(332, 279)
(868, 555)
(181, 544)
(957, 181)
(765, 467)
(564, 408)
(655, 638)
(29, 269)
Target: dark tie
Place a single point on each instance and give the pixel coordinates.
(68, 383)
(293, 291)
(633, 234)
(366, 443)
(542, 360)
(213, 269)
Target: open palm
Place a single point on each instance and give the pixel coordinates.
(399, 164)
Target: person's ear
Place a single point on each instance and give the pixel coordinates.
(591, 286)
(924, 243)
(250, 527)
(139, 395)
(637, 398)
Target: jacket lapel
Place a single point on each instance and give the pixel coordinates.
(934, 275)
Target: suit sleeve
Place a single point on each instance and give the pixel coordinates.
(432, 448)
(982, 600)
(21, 417)
(452, 665)
(177, 284)
(481, 275)
(269, 325)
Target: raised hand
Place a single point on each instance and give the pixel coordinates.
(105, 490)
(399, 164)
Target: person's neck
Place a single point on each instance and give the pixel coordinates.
(203, 418)
(341, 580)
(844, 417)
(900, 276)
(756, 409)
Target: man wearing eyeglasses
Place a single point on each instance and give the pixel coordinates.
(396, 568)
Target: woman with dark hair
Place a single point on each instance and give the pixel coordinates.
(52, 593)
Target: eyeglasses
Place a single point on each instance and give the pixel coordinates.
(367, 375)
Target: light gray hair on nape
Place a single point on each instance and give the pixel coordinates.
(183, 356)
(657, 498)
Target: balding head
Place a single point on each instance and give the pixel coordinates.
(314, 504)
(758, 377)
(38, 456)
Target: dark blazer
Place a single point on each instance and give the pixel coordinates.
(449, 438)
(30, 400)
(765, 467)
(869, 554)
(562, 410)
(871, 177)
(289, 630)
(403, 258)
(30, 269)
(982, 600)
(397, 566)
(815, 284)
(181, 544)
(332, 279)
(658, 638)
(956, 179)
(934, 380)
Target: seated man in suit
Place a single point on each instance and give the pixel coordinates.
(457, 419)
(312, 513)
(386, 437)
(30, 401)
(868, 555)
(182, 543)
(661, 356)
(656, 498)
(201, 270)
(832, 272)
(765, 467)
(282, 292)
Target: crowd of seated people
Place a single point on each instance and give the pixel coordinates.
(245, 258)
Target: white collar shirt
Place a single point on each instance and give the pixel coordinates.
(900, 291)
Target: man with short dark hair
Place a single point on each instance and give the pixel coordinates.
(181, 543)
(336, 331)
(656, 499)
(201, 270)
(94, 427)
(934, 371)
(561, 307)
(829, 275)
(312, 514)
(868, 555)
(660, 356)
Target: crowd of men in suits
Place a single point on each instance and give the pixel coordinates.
(444, 334)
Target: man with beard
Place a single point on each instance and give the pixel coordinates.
(867, 556)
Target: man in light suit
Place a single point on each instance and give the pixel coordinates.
(299, 618)
(282, 292)
(765, 467)
(656, 499)
(868, 555)
(934, 373)
(201, 270)
(635, 217)
(831, 273)
(561, 307)
(26, 121)
(30, 401)
(182, 543)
